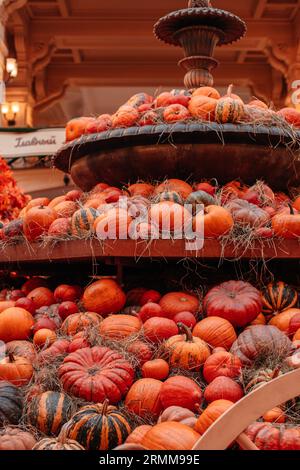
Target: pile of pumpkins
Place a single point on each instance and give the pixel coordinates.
(204, 104)
(150, 370)
(141, 210)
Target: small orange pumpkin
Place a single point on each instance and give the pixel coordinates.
(119, 326)
(276, 415)
(37, 221)
(203, 107)
(230, 108)
(216, 331)
(16, 369)
(156, 369)
(44, 337)
(126, 116)
(207, 91)
(217, 222)
(211, 414)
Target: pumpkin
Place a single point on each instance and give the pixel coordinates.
(179, 415)
(259, 320)
(215, 331)
(176, 112)
(55, 201)
(16, 439)
(282, 320)
(67, 308)
(79, 321)
(65, 292)
(41, 297)
(143, 398)
(141, 189)
(261, 377)
(60, 228)
(207, 91)
(133, 297)
(137, 435)
(203, 107)
(44, 337)
(15, 323)
(5, 304)
(286, 224)
(198, 199)
(236, 301)
(140, 350)
(230, 108)
(171, 196)
(294, 324)
(119, 326)
(48, 411)
(186, 351)
(221, 364)
(215, 222)
(100, 373)
(261, 341)
(82, 222)
(58, 349)
(156, 369)
(16, 369)
(13, 229)
(104, 297)
(291, 115)
(258, 104)
(79, 341)
(65, 209)
(150, 310)
(47, 317)
(126, 116)
(246, 214)
(187, 318)
(57, 443)
(223, 388)
(169, 217)
(277, 297)
(112, 224)
(211, 414)
(158, 329)
(37, 221)
(177, 302)
(33, 283)
(170, 436)
(73, 195)
(11, 403)
(37, 202)
(267, 436)
(276, 415)
(179, 186)
(21, 348)
(181, 391)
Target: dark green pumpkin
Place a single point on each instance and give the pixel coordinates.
(97, 427)
(200, 198)
(172, 196)
(277, 297)
(49, 411)
(229, 110)
(11, 403)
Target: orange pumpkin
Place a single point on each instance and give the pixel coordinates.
(120, 326)
(104, 297)
(37, 202)
(41, 297)
(44, 337)
(230, 108)
(207, 91)
(140, 189)
(282, 320)
(79, 321)
(16, 369)
(126, 116)
(15, 323)
(286, 223)
(216, 331)
(259, 320)
(181, 391)
(156, 369)
(276, 415)
(170, 436)
(215, 222)
(177, 302)
(169, 216)
(179, 186)
(138, 434)
(296, 203)
(37, 221)
(19, 348)
(176, 112)
(221, 364)
(57, 200)
(143, 398)
(77, 127)
(258, 104)
(4, 304)
(60, 228)
(203, 107)
(211, 414)
(65, 209)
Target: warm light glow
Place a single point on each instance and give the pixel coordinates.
(15, 107)
(12, 67)
(4, 108)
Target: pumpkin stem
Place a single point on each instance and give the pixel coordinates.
(104, 407)
(229, 90)
(11, 357)
(291, 208)
(186, 331)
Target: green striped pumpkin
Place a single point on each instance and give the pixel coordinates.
(277, 297)
(172, 196)
(48, 411)
(82, 222)
(229, 110)
(97, 427)
(200, 198)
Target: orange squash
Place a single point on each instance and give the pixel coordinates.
(181, 187)
(37, 221)
(282, 320)
(120, 326)
(15, 323)
(143, 398)
(207, 91)
(216, 331)
(203, 107)
(276, 415)
(79, 321)
(211, 414)
(138, 434)
(16, 369)
(104, 297)
(170, 436)
(215, 222)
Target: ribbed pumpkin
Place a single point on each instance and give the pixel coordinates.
(277, 297)
(15, 323)
(221, 364)
(21, 348)
(177, 302)
(229, 109)
(215, 331)
(143, 398)
(137, 435)
(11, 403)
(120, 326)
(49, 411)
(203, 107)
(97, 427)
(172, 196)
(104, 297)
(178, 414)
(186, 351)
(282, 320)
(96, 374)
(170, 436)
(57, 443)
(37, 221)
(211, 414)
(267, 436)
(82, 222)
(79, 321)
(223, 388)
(180, 186)
(16, 369)
(16, 439)
(181, 391)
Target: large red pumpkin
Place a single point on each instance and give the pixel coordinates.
(181, 391)
(158, 329)
(267, 436)
(41, 297)
(236, 301)
(223, 388)
(96, 374)
(177, 302)
(143, 398)
(104, 297)
(221, 364)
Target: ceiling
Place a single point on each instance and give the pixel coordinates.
(88, 56)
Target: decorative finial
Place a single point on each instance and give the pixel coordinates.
(199, 4)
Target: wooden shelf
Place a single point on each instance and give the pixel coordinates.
(78, 251)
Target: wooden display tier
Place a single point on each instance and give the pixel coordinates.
(122, 251)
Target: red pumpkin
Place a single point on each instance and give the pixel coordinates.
(79, 341)
(33, 283)
(27, 304)
(96, 374)
(223, 388)
(177, 302)
(222, 364)
(73, 195)
(150, 296)
(156, 369)
(181, 391)
(65, 209)
(176, 112)
(143, 398)
(67, 308)
(133, 297)
(126, 116)
(77, 127)
(158, 329)
(291, 115)
(141, 351)
(141, 189)
(104, 297)
(37, 222)
(80, 321)
(150, 310)
(186, 318)
(236, 301)
(267, 436)
(54, 351)
(169, 98)
(60, 228)
(65, 292)
(41, 297)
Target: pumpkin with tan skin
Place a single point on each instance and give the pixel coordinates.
(16, 439)
(179, 415)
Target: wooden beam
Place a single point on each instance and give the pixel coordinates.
(261, 4)
(63, 8)
(76, 56)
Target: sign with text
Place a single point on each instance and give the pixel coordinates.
(28, 144)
